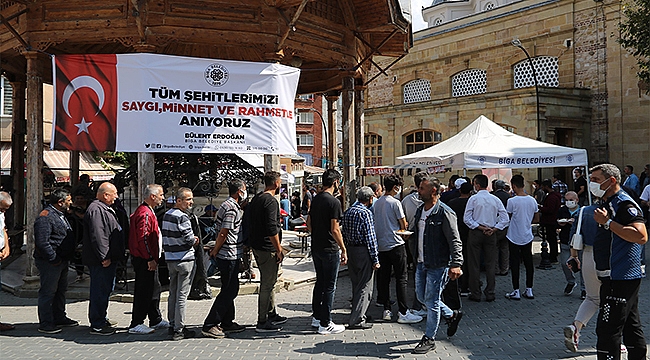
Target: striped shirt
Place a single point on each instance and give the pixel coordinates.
(229, 216)
(358, 227)
(178, 238)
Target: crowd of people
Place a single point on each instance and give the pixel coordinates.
(446, 237)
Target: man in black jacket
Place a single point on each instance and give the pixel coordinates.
(103, 248)
(54, 247)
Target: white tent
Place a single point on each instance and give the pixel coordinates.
(484, 144)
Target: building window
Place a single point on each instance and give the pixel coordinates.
(417, 90)
(306, 97)
(489, 6)
(546, 68)
(469, 82)
(6, 103)
(373, 150)
(437, 21)
(512, 129)
(305, 139)
(421, 139)
(304, 117)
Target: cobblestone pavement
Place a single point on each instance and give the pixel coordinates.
(503, 329)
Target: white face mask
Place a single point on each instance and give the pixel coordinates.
(244, 195)
(399, 190)
(595, 189)
(571, 204)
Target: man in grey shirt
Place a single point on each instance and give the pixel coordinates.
(390, 218)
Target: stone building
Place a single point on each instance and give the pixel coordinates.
(464, 65)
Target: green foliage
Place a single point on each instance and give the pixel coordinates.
(635, 35)
(123, 158)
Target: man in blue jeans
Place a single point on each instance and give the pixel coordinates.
(103, 248)
(227, 251)
(437, 251)
(326, 241)
(54, 247)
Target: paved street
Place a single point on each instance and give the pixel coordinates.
(504, 329)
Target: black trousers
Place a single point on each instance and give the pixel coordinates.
(392, 260)
(146, 294)
(518, 252)
(222, 311)
(619, 316)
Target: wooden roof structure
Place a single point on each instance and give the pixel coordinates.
(327, 39)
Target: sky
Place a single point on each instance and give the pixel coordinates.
(416, 11)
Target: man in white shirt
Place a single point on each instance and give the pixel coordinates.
(484, 215)
(522, 209)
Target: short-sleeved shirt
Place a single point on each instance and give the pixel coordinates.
(581, 182)
(645, 195)
(229, 216)
(324, 208)
(388, 211)
(523, 209)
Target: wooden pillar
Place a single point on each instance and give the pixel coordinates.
(359, 104)
(74, 167)
(146, 161)
(34, 141)
(332, 148)
(272, 162)
(347, 122)
(18, 151)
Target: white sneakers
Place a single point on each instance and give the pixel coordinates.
(315, 322)
(421, 312)
(332, 328)
(409, 318)
(388, 316)
(514, 295)
(163, 324)
(528, 294)
(141, 329)
(571, 338)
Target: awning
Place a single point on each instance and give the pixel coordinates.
(314, 170)
(58, 161)
(403, 169)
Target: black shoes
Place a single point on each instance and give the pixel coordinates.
(49, 329)
(184, 334)
(67, 322)
(424, 346)
(452, 322)
(278, 320)
(360, 326)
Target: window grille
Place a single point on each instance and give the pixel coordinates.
(373, 150)
(469, 82)
(417, 91)
(420, 140)
(546, 68)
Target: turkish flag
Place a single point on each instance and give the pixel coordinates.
(85, 116)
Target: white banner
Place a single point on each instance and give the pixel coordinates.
(174, 104)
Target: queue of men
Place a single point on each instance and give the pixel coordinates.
(445, 243)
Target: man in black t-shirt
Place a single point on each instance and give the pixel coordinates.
(326, 240)
(580, 186)
(307, 197)
(264, 239)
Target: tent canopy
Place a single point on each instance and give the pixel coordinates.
(484, 144)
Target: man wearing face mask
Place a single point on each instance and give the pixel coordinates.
(565, 218)
(389, 219)
(358, 226)
(620, 220)
(227, 250)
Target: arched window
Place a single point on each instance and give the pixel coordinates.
(373, 150)
(420, 139)
(546, 68)
(510, 128)
(469, 82)
(417, 90)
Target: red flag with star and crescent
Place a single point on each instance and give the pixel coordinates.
(85, 116)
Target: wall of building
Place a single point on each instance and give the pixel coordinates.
(315, 152)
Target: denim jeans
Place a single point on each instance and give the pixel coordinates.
(326, 265)
(102, 282)
(51, 295)
(223, 309)
(429, 284)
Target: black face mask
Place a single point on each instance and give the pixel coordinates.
(277, 191)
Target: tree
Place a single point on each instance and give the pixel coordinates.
(635, 35)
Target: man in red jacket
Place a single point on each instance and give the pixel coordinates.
(145, 244)
(548, 218)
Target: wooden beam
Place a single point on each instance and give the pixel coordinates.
(15, 33)
(291, 26)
